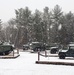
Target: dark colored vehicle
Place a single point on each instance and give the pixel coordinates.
(52, 45)
(13, 46)
(67, 53)
(35, 46)
(25, 47)
(5, 49)
(54, 50)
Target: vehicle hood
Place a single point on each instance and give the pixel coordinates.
(63, 50)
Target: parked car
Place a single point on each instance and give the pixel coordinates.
(54, 50)
(35, 46)
(13, 46)
(67, 53)
(25, 47)
(5, 48)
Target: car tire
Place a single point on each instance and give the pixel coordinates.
(62, 57)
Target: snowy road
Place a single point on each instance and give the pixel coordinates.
(25, 65)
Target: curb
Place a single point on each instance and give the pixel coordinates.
(54, 63)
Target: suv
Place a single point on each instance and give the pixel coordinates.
(5, 48)
(35, 46)
(67, 53)
(25, 47)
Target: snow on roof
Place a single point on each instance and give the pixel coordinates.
(53, 47)
(71, 44)
(35, 42)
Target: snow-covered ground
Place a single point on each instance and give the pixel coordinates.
(25, 65)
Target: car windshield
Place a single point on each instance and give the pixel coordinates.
(6, 43)
(72, 47)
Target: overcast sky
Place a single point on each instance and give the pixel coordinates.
(7, 7)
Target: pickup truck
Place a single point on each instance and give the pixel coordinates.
(67, 53)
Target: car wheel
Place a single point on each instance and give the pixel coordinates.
(62, 57)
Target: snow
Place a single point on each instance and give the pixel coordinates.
(25, 65)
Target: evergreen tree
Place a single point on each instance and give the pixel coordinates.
(47, 23)
(23, 21)
(57, 14)
(0, 30)
(37, 26)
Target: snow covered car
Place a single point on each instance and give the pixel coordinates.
(13, 46)
(5, 48)
(67, 53)
(54, 50)
(35, 46)
(25, 47)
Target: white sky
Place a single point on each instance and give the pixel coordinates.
(7, 7)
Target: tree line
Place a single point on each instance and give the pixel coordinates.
(49, 26)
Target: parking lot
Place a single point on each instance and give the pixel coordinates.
(25, 65)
